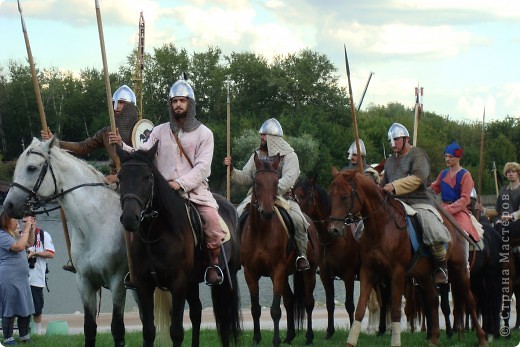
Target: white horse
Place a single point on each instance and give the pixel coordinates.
(43, 173)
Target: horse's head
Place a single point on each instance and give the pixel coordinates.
(33, 179)
(136, 184)
(265, 186)
(346, 203)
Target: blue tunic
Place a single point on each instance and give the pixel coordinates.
(15, 292)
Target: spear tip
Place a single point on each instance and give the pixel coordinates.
(19, 6)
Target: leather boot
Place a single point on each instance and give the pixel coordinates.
(440, 275)
(214, 275)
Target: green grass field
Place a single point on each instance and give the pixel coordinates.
(210, 338)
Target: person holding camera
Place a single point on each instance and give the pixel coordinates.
(37, 256)
(15, 291)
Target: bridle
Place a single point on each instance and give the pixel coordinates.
(309, 200)
(34, 202)
(147, 210)
(254, 200)
(351, 218)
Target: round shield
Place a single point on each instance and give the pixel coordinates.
(141, 132)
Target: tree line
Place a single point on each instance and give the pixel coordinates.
(301, 90)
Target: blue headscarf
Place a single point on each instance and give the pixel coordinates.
(454, 149)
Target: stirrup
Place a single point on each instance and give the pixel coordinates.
(296, 263)
(128, 284)
(218, 270)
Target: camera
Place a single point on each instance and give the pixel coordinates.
(32, 262)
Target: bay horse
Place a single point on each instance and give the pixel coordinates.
(268, 250)
(45, 173)
(168, 259)
(386, 252)
(338, 256)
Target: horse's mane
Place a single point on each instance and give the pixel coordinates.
(57, 151)
(172, 207)
(361, 181)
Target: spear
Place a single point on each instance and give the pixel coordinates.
(228, 145)
(33, 72)
(42, 118)
(112, 122)
(496, 177)
(353, 111)
(481, 162)
(107, 77)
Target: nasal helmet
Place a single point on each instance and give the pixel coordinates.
(353, 149)
(397, 130)
(181, 88)
(123, 93)
(271, 127)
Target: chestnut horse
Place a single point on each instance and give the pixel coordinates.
(386, 252)
(339, 255)
(268, 250)
(168, 260)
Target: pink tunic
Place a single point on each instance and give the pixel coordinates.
(459, 208)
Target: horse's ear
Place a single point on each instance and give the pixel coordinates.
(151, 153)
(276, 162)
(258, 162)
(121, 153)
(47, 145)
(335, 171)
(313, 179)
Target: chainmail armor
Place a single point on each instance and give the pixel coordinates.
(126, 120)
(190, 122)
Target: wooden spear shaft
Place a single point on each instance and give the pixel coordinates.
(353, 111)
(228, 145)
(33, 73)
(112, 122)
(481, 161)
(43, 119)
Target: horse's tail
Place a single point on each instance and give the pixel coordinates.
(299, 299)
(162, 313)
(226, 308)
(491, 285)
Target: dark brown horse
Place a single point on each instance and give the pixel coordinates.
(167, 258)
(268, 250)
(386, 252)
(339, 255)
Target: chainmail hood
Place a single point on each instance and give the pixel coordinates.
(190, 122)
(277, 144)
(126, 120)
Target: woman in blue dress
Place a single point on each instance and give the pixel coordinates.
(15, 292)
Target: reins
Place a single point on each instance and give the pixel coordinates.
(34, 202)
(350, 218)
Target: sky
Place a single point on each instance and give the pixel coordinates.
(463, 53)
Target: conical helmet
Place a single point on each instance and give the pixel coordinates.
(271, 127)
(353, 149)
(123, 93)
(182, 88)
(397, 130)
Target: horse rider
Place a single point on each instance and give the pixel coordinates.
(125, 112)
(507, 206)
(406, 174)
(184, 159)
(354, 161)
(271, 144)
(456, 186)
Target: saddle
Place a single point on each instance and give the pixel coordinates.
(196, 224)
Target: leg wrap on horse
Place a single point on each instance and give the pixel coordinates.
(353, 336)
(396, 334)
(439, 257)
